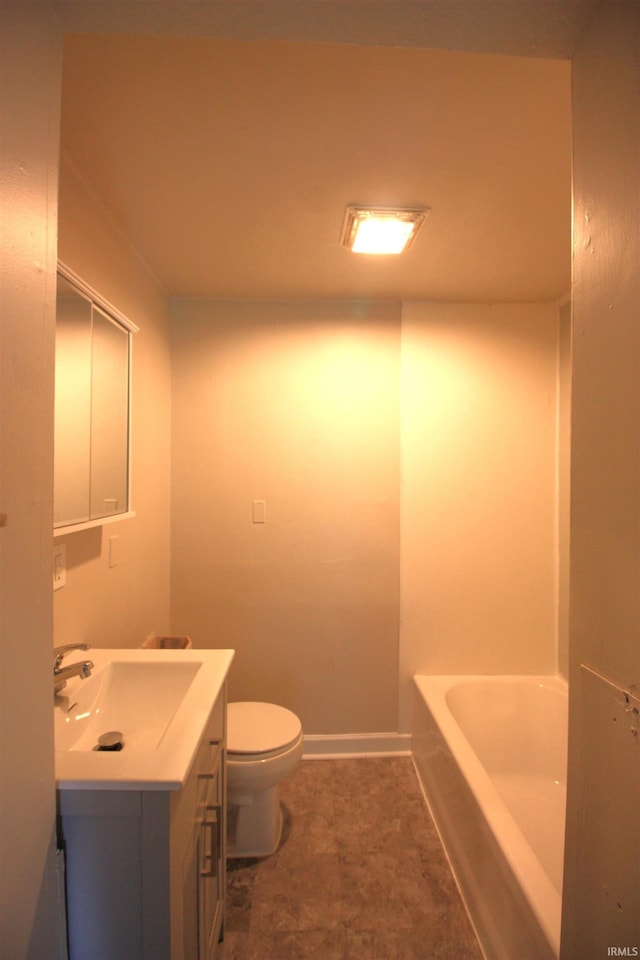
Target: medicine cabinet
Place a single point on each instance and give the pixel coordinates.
(92, 407)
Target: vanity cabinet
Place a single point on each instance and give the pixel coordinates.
(146, 868)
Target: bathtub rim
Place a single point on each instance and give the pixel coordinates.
(540, 892)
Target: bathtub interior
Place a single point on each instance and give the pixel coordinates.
(521, 742)
(497, 795)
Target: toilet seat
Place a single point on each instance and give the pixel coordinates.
(260, 730)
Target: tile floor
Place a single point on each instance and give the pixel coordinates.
(359, 875)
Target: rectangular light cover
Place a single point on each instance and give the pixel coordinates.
(381, 230)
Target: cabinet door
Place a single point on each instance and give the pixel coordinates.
(211, 868)
(93, 360)
(190, 897)
(72, 454)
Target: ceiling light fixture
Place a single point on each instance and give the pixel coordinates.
(380, 229)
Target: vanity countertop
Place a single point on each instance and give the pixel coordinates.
(159, 700)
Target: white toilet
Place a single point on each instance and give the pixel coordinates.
(264, 745)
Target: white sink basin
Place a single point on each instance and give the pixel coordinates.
(158, 703)
(136, 699)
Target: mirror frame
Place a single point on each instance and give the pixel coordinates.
(129, 328)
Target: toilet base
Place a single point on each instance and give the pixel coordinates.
(254, 824)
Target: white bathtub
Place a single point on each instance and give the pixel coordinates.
(491, 753)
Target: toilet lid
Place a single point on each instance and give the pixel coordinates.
(260, 727)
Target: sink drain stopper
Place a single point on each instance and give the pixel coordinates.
(111, 741)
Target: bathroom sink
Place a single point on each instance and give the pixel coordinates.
(136, 699)
(136, 722)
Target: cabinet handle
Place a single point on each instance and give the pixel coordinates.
(212, 857)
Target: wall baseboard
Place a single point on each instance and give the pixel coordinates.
(342, 746)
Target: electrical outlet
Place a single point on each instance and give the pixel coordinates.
(59, 566)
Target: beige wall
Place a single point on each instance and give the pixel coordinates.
(296, 404)
(602, 863)
(478, 506)
(103, 605)
(299, 405)
(563, 454)
(30, 64)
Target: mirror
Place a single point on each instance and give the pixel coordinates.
(109, 417)
(92, 371)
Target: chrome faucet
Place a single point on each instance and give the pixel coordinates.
(61, 674)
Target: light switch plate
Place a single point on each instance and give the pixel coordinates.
(259, 511)
(115, 553)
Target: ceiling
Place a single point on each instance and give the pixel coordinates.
(229, 163)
